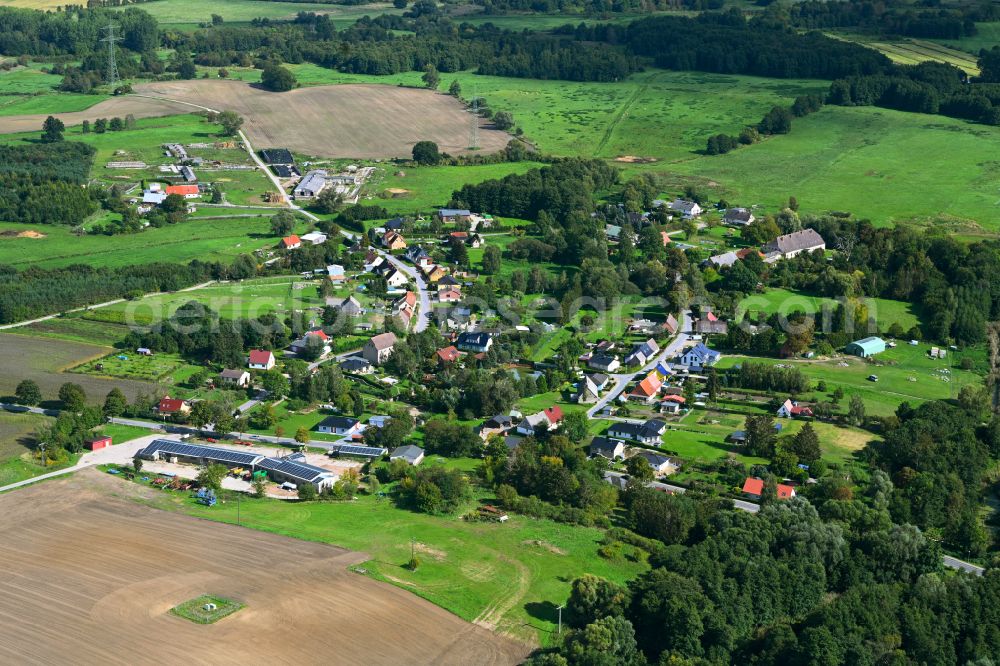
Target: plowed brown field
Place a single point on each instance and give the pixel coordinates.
(90, 578)
(353, 121)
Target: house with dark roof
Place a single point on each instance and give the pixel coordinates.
(649, 433)
(340, 425)
(454, 214)
(235, 377)
(659, 462)
(357, 365)
(612, 449)
(642, 353)
(476, 343)
(276, 156)
(604, 362)
(688, 209)
(739, 217)
(590, 387)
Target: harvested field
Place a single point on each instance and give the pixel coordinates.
(91, 578)
(140, 107)
(356, 121)
(362, 121)
(45, 359)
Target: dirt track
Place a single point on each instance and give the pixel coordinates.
(90, 579)
(354, 121)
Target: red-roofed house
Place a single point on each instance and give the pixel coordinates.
(791, 409)
(450, 296)
(755, 488)
(448, 355)
(168, 405)
(260, 360)
(666, 238)
(711, 316)
(291, 242)
(647, 389)
(186, 191)
(554, 414)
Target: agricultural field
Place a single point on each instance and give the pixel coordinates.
(860, 159)
(163, 558)
(914, 51)
(46, 360)
(987, 36)
(187, 14)
(786, 301)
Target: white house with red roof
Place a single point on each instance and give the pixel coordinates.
(291, 242)
(186, 191)
(169, 406)
(791, 409)
(260, 359)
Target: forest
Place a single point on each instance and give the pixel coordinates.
(40, 183)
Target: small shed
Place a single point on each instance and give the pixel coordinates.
(97, 443)
(866, 347)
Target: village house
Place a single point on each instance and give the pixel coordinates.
(604, 362)
(590, 387)
(395, 279)
(379, 348)
(670, 325)
(447, 355)
(657, 461)
(348, 306)
(547, 419)
(314, 238)
(496, 425)
(335, 273)
(699, 357)
(236, 377)
(739, 217)
(646, 390)
(688, 209)
(450, 215)
(170, 406)
(260, 360)
(408, 452)
(754, 488)
(340, 425)
(792, 409)
(476, 343)
(357, 365)
(314, 338)
(642, 353)
(393, 241)
(649, 433)
(794, 244)
(292, 242)
(611, 449)
(450, 296)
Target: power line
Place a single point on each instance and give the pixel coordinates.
(112, 77)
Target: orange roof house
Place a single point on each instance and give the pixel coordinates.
(186, 191)
(291, 242)
(755, 488)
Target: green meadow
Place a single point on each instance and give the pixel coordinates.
(786, 301)
(512, 574)
(187, 14)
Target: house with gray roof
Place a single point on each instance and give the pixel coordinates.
(795, 243)
(408, 452)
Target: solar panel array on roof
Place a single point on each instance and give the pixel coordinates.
(194, 451)
(296, 470)
(366, 451)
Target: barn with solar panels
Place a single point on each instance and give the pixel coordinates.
(292, 469)
(370, 452)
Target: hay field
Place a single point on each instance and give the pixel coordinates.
(140, 107)
(356, 121)
(45, 359)
(91, 578)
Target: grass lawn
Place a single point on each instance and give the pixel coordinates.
(120, 434)
(511, 575)
(429, 188)
(16, 463)
(206, 609)
(246, 299)
(786, 301)
(987, 36)
(207, 240)
(905, 373)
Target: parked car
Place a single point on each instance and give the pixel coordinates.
(873, 378)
